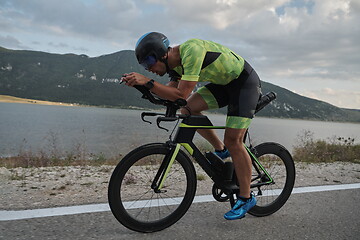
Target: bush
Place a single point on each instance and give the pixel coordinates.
(337, 149)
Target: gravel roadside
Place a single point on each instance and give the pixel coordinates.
(31, 188)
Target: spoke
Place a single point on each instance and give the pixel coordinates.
(142, 208)
(275, 169)
(140, 202)
(165, 204)
(138, 199)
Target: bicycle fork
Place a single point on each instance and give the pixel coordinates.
(164, 169)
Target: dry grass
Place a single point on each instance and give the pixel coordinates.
(42, 160)
(337, 149)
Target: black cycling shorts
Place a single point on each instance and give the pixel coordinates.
(241, 96)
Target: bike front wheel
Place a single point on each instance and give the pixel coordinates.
(278, 163)
(133, 201)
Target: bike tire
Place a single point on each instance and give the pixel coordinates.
(279, 164)
(132, 200)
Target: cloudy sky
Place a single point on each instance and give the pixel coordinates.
(311, 47)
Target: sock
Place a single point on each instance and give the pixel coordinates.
(244, 199)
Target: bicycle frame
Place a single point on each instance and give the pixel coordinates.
(184, 137)
(225, 182)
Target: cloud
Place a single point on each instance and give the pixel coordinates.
(58, 45)
(343, 98)
(11, 42)
(101, 19)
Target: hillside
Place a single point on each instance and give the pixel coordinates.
(80, 79)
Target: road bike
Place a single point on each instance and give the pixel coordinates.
(153, 186)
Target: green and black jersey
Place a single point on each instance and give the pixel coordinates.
(232, 81)
(207, 61)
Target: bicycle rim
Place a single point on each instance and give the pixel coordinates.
(136, 205)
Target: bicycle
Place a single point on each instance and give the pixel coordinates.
(162, 194)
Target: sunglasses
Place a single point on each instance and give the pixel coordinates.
(148, 62)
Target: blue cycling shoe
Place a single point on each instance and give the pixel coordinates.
(223, 154)
(240, 208)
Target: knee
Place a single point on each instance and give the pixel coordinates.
(232, 144)
(189, 110)
(184, 110)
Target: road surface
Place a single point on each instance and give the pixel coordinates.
(310, 215)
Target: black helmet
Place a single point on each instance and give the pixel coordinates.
(152, 43)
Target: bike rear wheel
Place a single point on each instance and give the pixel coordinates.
(278, 162)
(132, 200)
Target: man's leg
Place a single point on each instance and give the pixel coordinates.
(196, 105)
(242, 162)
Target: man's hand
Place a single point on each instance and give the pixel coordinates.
(134, 78)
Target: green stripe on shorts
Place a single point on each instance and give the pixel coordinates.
(237, 122)
(208, 97)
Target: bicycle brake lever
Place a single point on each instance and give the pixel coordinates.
(143, 114)
(158, 124)
(147, 121)
(165, 119)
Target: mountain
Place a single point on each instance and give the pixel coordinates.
(93, 81)
(291, 105)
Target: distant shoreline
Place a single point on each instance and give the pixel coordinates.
(11, 99)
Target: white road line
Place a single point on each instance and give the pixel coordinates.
(91, 208)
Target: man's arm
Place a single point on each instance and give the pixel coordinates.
(183, 89)
(173, 84)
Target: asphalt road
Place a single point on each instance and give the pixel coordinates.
(320, 215)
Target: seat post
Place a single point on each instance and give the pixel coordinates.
(246, 135)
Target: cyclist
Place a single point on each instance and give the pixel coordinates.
(232, 83)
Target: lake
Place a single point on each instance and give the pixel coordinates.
(35, 128)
